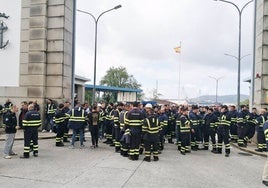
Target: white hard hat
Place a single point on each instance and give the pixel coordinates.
(148, 105)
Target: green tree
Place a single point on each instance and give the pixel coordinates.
(118, 77)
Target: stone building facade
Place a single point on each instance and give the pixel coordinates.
(261, 55)
(45, 64)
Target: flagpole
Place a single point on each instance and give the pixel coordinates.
(179, 75)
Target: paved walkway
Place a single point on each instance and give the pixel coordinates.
(20, 135)
(47, 135)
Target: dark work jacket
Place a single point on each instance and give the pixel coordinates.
(134, 121)
(10, 121)
(150, 128)
(77, 118)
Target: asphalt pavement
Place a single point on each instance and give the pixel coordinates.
(102, 167)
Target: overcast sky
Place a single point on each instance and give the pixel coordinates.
(142, 34)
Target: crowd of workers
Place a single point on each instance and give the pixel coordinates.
(134, 129)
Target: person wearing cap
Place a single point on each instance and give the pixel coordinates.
(223, 131)
(242, 126)
(148, 108)
(150, 130)
(147, 111)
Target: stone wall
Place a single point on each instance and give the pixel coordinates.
(261, 59)
(46, 52)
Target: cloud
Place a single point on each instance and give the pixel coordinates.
(142, 34)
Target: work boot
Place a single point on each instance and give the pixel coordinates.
(140, 151)
(265, 182)
(147, 159)
(125, 154)
(218, 151)
(25, 156)
(35, 154)
(156, 158)
(170, 141)
(66, 140)
(259, 150)
(117, 149)
(214, 150)
(136, 157)
(59, 144)
(227, 154)
(131, 157)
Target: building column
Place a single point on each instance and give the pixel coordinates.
(261, 59)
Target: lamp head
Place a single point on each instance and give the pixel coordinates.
(118, 6)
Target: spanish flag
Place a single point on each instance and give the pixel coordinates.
(177, 49)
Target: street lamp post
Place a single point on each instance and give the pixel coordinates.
(95, 47)
(240, 11)
(217, 81)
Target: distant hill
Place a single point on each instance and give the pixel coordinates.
(221, 99)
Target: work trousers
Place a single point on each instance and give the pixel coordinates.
(109, 131)
(196, 137)
(241, 131)
(233, 131)
(60, 133)
(30, 133)
(261, 139)
(135, 141)
(65, 132)
(185, 141)
(223, 136)
(206, 136)
(151, 147)
(117, 137)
